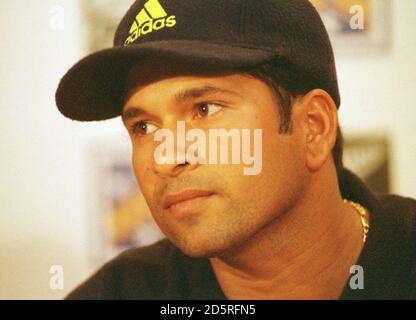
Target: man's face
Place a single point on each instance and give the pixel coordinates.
(235, 206)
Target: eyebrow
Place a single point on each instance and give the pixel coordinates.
(132, 113)
(180, 97)
(195, 93)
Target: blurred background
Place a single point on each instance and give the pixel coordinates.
(68, 199)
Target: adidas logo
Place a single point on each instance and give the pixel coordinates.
(151, 18)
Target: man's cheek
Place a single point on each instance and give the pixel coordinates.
(144, 178)
(141, 161)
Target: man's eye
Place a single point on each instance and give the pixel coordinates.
(208, 109)
(144, 128)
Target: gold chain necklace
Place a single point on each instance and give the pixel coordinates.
(363, 215)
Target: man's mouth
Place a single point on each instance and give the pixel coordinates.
(185, 196)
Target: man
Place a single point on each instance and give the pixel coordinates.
(299, 227)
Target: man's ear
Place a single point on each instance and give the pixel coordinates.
(320, 117)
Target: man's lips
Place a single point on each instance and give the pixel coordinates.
(170, 200)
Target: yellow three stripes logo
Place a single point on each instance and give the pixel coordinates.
(151, 18)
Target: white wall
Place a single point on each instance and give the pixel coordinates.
(43, 193)
(377, 94)
(43, 202)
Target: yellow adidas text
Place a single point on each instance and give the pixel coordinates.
(150, 26)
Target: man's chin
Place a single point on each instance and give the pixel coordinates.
(201, 249)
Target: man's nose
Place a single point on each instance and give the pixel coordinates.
(171, 165)
(172, 170)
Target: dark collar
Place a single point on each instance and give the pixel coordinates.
(387, 255)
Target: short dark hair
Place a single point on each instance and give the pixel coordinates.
(288, 81)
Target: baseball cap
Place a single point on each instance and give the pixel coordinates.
(228, 33)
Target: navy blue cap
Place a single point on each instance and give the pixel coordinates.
(229, 33)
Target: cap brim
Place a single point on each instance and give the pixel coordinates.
(91, 90)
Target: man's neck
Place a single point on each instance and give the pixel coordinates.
(304, 254)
